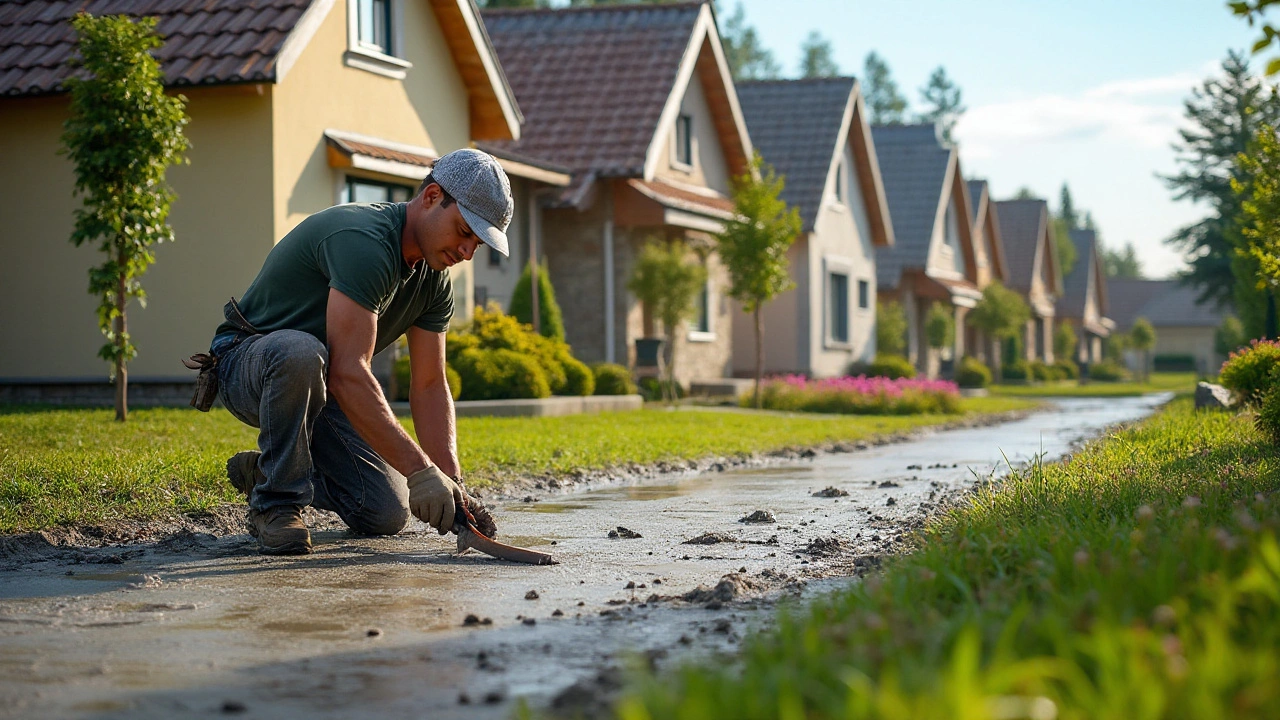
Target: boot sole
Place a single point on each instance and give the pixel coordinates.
(293, 548)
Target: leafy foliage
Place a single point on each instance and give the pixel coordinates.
(1248, 371)
(972, 373)
(1064, 341)
(885, 103)
(745, 53)
(1229, 336)
(891, 328)
(499, 374)
(1122, 263)
(891, 366)
(1108, 371)
(941, 97)
(1066, 369)
(612, 379)
(939, 326)
(1017, 370)
(1064, 250)
(491, 329)
(667, 281)
(1002, 313)
(122, 135)
(1257, 185)
(550, 318)
(1253, 11)
(817, 57)
(1142, 336)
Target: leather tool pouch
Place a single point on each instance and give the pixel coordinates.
(207, 363)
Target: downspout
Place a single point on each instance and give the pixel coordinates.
(610, 332)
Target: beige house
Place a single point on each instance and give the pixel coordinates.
(295, 105)
(1083, 304)
(988, 252)
(1185, 327)
(638, 103)
(932, 260)
(1033, 270)
(815, 134)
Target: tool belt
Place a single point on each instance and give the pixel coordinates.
(207, 363)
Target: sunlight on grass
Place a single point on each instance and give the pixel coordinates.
(1160, 382)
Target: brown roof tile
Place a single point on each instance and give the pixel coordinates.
(711, 203)
(206, 41)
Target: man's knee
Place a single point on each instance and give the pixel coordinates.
(386, 520)
(297, 354)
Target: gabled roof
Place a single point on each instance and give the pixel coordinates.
(597, 84)
(920, 175)
(1164, 303)
(983, 210)
(1024, 228)
(800, 127)
(1076, 284)
(217, 42)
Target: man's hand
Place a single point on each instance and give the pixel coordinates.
(434, 498)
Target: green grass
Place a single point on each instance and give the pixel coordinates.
(1139, 580)
(77, 466)
(1160, 382)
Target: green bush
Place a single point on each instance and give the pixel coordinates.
(1040, 372)
(891, 366)
(500, 374)
(651, 388)
(551, 320)
(403, 376)
(1016, 370)
(491, 329)
(1247, 372)
(972, 373)
(1067, 370)
(1268, 419)
(891, 328)
(612, 379)
(579, 380)
(1108, 371)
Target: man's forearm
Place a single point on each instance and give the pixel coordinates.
(360, 397)
(433, 421)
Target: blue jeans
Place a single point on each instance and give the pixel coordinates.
(311, 454)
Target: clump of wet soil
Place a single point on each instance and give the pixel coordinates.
(624, 534)
(729, 588)
(825, 546)
(711, 538)
(831, 492)
(759, 516)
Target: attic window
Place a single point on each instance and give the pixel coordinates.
(840, 183)
(374, 21)
(684, 140)
(375, 37)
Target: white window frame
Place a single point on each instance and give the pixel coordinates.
(372, 59)
(834, 265)
(696, 334)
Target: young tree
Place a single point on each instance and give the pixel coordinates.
(550, 318)
(891, 328)
(122, 134)
(1257, 186)
(1065, 342)
(1121, 263)
(748, 58)
(668, 282)
(1001, 314)
(817, 58)
(939, 327)
(1142, 337)
(885, 103)
(1064, 251)
(753, 247)
(941, 97)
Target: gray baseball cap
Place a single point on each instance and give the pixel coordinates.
(480, 185)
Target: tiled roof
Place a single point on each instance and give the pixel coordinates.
(913, 166)
(1164, 303)
(795, 124)
(1022, 228)
(206, 41)
(592, 82)
(380, 151)
(1075, 286)
(707, 203)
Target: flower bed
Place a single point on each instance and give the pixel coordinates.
(860, 395)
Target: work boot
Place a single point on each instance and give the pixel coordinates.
(243, 472)
(280, 530)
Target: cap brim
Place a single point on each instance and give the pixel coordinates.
(486, 231)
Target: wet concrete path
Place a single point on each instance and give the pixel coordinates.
(201, 626)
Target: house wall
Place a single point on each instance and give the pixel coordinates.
(222, 221)
(497, 281)
(1197, 341)
(573, 243)
(708, 168)
(946, 257)
(786, 320)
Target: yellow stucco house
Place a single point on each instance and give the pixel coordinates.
(295, 105)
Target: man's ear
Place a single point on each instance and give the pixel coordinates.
(431, 194)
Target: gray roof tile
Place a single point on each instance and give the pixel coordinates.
(913, 166)
(1164, 303)
(1022, 224)
(1075, 286)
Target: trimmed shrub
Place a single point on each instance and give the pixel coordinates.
(859, 395)
(972, 373)
(403, 375)
(1039, 371)
(891, 328)
(491, 329)
(612, 379)
(1108, 371)
(1268, 419)
(499, 374)
(1067, 370)
(651, 388)
(579, 380)
(892, 367)
(1248, 371)
(1017, 370)
(550, 319)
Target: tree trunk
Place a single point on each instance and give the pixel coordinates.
(759, 354)
(669, 387)
(122, 376)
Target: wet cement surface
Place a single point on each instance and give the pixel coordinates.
(202, 626)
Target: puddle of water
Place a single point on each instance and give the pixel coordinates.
(645, 492)
(546, 507)
(126, 577)
(304, 628)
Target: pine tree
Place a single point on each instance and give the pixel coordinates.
(942, 98)
(1121, 263)
(885, 103)
(748, 58)
(817, 58)
(1067, 208)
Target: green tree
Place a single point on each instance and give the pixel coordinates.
(1253, 11)
(1001, 314)
(1065, 342)
(941, 97)
(1229, 336)
(939, 327)
(1064, 250)
(668, 281)
(1142, 337)
(817, 58)
(885, 103)
(747, 56)
(1121, 263)
(891, 328)
(1025, 193)
(753, 246)
(122, 134)
(1067, 208)
(1223, 116)
(550, 318)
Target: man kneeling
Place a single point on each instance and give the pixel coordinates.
(293, 358)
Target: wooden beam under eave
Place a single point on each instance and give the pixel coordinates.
(484, 107)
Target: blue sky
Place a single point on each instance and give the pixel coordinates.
(1082, 91)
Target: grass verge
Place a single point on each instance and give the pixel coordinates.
(77, 466)
(1160, 382)
(1139, 580)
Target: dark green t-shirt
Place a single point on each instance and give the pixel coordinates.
(354, 249)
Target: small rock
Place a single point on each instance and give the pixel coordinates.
(486, 621)
(711, 538)
(493, 697)
(685, 640)
(889, 484)
(558, 613)
(233, 706)
(821, 547)
(464, 699)
(759, 516)
(915, 467)
(529, 621)
(891, 501)
(624, 534)
(373, 632)
(531, 595)
(723, 626)
(831, 492)
(630, 585)
(470, 620)
(1212, 397)
(714, 605)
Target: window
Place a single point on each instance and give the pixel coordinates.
(864, 292)
(840, 183)
(838, 284)
(684, 140)
(704, 309)
(374, 22)
(360, 190)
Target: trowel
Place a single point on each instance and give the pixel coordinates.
(469, 538)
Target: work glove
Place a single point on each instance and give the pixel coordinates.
(434, 498)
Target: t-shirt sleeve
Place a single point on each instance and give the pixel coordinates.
(366, 277)
(435, 318)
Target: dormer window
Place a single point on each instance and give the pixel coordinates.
(374, 37)
(374, 20)
(684, 140)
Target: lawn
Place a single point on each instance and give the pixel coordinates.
(1160, 382)
(1139, 580)
(77, 466)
